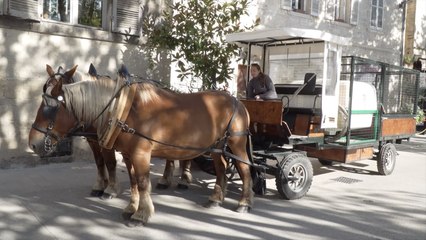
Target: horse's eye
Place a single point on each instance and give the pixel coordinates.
(44, 88)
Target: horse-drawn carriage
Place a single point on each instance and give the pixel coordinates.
(333, 108)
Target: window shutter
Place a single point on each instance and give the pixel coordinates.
(286, 4)
(354, 11)
(126, 17)
(27, 9)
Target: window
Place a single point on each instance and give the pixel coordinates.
(296, 5)
(315, 7)
(376, 20)
(90, 12)
(58, 10)
(340, 10)
(84, 12)
(120, 16)
(354, 11)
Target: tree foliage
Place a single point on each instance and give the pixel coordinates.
(194, 31)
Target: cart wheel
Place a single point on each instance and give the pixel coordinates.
(386, 159)
(205, 163)
(325, 162)
(294, 176)
(231, 170)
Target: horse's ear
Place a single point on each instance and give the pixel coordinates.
(70, 73)
(49, 70)
(123, 72)
(92, 71)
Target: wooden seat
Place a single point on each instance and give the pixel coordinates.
(266, 112)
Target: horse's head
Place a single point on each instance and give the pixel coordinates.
(53, 122)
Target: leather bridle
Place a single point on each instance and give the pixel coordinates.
(49, 111)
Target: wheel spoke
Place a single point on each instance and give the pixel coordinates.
(298, 174)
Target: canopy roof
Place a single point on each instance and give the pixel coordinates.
(286, 35)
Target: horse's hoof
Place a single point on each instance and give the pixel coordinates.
(135, 223)
(212, 204)
(182, 186)
(126, 215)
(162, 186)
(243, 209)
(107, 196)
(96, 193)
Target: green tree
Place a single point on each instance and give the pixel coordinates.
(194, 31)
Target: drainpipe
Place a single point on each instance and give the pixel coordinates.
(403, 6)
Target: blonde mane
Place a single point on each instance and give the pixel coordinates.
(88, 100)
(80, 76)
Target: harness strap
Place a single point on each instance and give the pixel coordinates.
(45, 131)
(231, 155)
(125, 128)
(211, 149)
(119, 113)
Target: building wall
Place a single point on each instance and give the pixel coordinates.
(377, 44)
(25, 49)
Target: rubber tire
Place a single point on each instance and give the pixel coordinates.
(294, 163)
(386, 159)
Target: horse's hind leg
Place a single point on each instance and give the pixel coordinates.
(167, 178)
(102, 178)
(219, 191)
(111, 164)
(186, 176)
(238, 147)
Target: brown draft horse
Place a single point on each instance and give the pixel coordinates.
(106, 185)
(161, 124)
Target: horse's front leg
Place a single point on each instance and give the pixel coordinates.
(134, 193)
(141, 164)
(113, 187)
(219, 190)
(186, 176)
(167, 178)
(102, 178)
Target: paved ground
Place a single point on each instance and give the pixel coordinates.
(345, 202)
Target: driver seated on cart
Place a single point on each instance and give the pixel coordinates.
(260, 87)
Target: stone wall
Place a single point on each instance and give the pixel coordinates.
(25, 49)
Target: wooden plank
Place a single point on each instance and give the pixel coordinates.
(338, 154)
(267, 112)
(398, 126)
(302, 124)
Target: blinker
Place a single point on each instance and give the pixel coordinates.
(49, 112)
